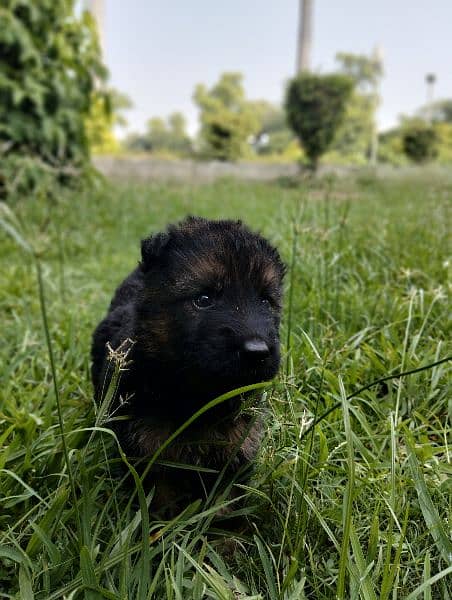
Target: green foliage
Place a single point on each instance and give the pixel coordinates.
(390, 147)
(366, 71)
(354, 137)
(163, 136)
(48, 63)
(416, 136)
(351, 489)
(444, 145)
(419, 141)
(227, 118)
(107, 106)
(274, 136)
(439, 111)
(315, 106)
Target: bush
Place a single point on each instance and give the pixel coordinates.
(420, 142)
(390, 147)
(48, 65)
(315, 106)
(228, 120)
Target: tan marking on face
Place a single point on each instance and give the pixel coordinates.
(270, 275)
(157, 333)
(199, 272)
(206, 266)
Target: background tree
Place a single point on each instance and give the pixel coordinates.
(273, 136)
(163, 136)
(365, 71)
(439, 114)
(157, 133)
(419, 141)
(439, 111)
(354, 137)
(390, 147)
(49, 60)
(227, 118)
(179, 139)
(315, 106)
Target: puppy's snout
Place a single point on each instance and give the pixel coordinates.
(254, 348)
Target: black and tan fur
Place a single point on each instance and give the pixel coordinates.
(202, 312)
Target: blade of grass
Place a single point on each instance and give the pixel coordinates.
(348, 497)
(430, 513)
(366, 587)
(428, 584)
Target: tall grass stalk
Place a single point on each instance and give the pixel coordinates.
(291, 295)
(45, 322)
(344, 557)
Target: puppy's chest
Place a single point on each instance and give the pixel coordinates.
(213, 447)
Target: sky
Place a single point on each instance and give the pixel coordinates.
(158, 50)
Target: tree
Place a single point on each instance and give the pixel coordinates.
(315, 106)
(170, 135)
(177, 124)
(354, 137)
(390, 147)
(444, 136)
(439, 111)
(163, 135)
(365, 71)
(227, 119)
(419, 141)
(49, 60)
(273, 135)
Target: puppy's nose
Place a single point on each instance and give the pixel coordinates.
(256, 348)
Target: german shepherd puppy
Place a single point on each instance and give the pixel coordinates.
(199, 317)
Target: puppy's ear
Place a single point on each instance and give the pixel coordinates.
(152, 249)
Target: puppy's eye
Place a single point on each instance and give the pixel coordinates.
(265, 301)
(203, 301)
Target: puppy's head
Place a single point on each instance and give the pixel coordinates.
(211, 307)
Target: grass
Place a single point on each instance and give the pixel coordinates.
(352, 492)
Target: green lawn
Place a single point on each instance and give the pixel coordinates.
(358, 506)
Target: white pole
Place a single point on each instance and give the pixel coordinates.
(430, 80)
(378, 58)
(304, 41)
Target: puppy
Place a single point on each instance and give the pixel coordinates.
(197, 318)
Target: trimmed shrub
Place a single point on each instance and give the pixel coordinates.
(315, 106)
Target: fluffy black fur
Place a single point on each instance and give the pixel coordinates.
(202, 310)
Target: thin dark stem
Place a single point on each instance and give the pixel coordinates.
(42, 304)
(369, 385)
